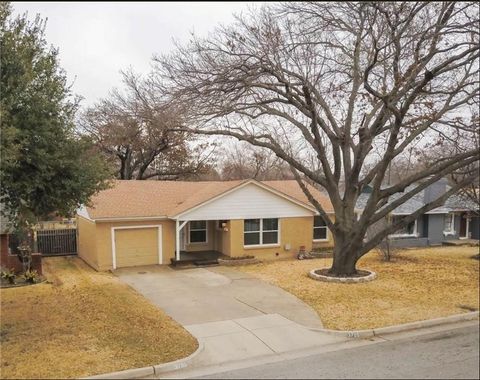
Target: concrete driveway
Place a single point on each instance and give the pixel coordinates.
(235, 315)
(201, 295)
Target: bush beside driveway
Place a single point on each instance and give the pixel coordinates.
(418, 284)
(83, 323)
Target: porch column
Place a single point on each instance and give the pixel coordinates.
(177, 240)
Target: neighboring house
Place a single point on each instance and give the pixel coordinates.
(458, 218)
(8, 257)
(152, 222)
(4, 236)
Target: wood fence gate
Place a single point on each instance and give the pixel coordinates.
(57, 242)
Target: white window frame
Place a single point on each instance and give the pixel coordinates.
(261, 231)
(196, 229)
(415, 229)
(326, 228)
(452, 229)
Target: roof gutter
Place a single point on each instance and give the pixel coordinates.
(130, 219)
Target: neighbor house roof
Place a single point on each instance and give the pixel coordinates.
(136, 199)
(411, 205)
(455, 202)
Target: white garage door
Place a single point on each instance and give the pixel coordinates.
(137, 246)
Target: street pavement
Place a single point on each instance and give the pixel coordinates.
(448, 354)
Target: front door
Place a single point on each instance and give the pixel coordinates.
(463, 226)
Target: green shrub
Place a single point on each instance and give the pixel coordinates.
(31, 276)
(9, 275)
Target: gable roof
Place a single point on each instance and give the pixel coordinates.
(149, 199)
(293, 190)
(411, 205)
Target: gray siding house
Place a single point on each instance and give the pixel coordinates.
(457, 219)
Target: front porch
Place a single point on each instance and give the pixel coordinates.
(200, 242)
(462, 242)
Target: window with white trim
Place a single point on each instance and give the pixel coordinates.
(198, 231)
(319, 228)
(260, 231)
(409, 230)
(449, 224)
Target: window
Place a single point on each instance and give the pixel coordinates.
(198, 231)
(260, 231)
(409, 230)
(270, 231)
(449, 226)
(319, 228)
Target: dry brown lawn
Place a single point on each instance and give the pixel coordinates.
(82, 323)
(419, 284)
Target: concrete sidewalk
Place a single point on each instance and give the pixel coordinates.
(234, 315)
(250, 337)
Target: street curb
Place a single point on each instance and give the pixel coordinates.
(152, 370)
(134, 373)
(180, 363)
(370, 333)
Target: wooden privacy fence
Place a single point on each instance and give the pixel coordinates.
(57, 241)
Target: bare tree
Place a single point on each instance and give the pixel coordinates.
(331, 82)
(134, 129)
(470, 194)
(247, 161)
(384, 247)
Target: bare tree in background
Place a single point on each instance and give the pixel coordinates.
(330, 82)
(246, 161)
(133, 129)
(459, 143)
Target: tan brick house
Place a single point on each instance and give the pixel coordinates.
(152, 222)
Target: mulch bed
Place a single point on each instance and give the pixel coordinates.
(238, 257)
(360, 273)
(19, 282)
(238, 260)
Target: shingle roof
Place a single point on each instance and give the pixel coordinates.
(408, 207)
(133, 199)
(454, 203)
(460, 202)
(292, 189)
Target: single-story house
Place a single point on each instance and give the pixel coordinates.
(457, 218)
(152, 222)
(4, 238)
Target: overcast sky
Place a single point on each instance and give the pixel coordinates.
(97, 40)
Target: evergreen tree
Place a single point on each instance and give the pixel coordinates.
(45, 167)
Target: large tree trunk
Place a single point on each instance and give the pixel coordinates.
(345, 255)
